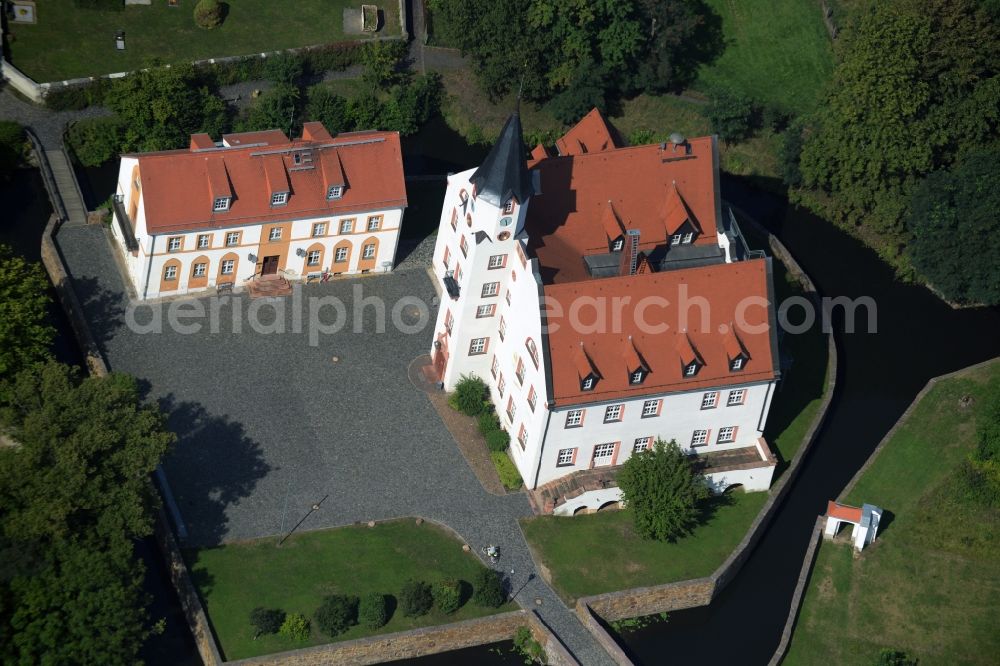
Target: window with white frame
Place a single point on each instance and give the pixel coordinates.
(532, 398)
(736, 397)
(335, 192)
(498, 261)
(175, 243)
(447, 257)
(507, 296)
(340, 255)
(603, 454)
(494, 366)
(520, 371)
(346, 226)
(454, 219)
(368, 251)
(279, 198)
(233, 238)
(727, 435)
(699, 438)
(511, 409)
(641, 444)
(522, 437)
(458, 272)
(486, 311)
(709, 400)
(532, 350)
(687, 238)
(478, 346)
(691, 370)
(618, 245)
(204, 241)
(199, 270)
(502, 328)
(275, 234)
(374, 222)
(491, 289)
(170, 273)
(574, 418)
(228, 266)
(676, 239)
(501, 385)
(449, 321)
(636, 377)
(508, 207)
(587, 384)
(650, 408)
(565, 457)
(319, 229)
(736, 364)
(612, 413)
(463, 245)
(312, 259)
(221, 204)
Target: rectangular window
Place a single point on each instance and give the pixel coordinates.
(511, 409)
(175, 243)
(221, 203)
(588, 383)
(737, 363)
(454, 219)
(233, 238)
(565, 457)
(491, 289)
(675, 239)
(618, 245)
(699, 438)
(642, 444)
(636, 377)
(368, 252)
(709, 400)
(346, 226)
(498, 261)
(522, 437)
(463, 245)
(691, 370)
(501, 385)
(502, 329)
(374, 222)
(340, 255)
(447, 257)
(486, 311)
(170, 273)
(494, 366)
(275, 234)
(532, 398)
(199, 270)
(312, 259)
(650, 408)
(613, 414)
(319, 229)
(228, 266)
(335, 192)
(520, 371)
(508, 297)
(279, 198)
(736, 397)
(687, 238)
(574, 418)
(727, 435)
(204, 241)
(478, 346)
(508, 207)
(603, 454)
(458, 272)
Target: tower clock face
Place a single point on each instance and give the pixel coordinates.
(505, 221)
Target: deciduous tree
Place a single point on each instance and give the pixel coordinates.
(25, 334)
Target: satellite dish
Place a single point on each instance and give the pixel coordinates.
(677, 138)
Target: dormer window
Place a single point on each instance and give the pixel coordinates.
(587, 384)
(736, 364)
(636, 377)
(279, 198)
(508, 207)
(688, 237)
(335, 192)
(618, 245)
(676, 239)
(691, 369)
(221, 204)
(297, 158)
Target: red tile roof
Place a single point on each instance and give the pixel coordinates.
(724, 286)
(590, 135)
(651, 188)
(179, 185)
(843, 512)
(267, 137)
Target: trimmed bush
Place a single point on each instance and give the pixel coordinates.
(78, 97)
(489, 589)
(415, 599)
(448, 595)
(373, 611)
(497, 441)
(488, 422)
(337, 614)
(266, 620)
(509, 476)
(469, 396)
(296, 627)
(208, 14)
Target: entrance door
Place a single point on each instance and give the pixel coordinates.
(270, 265)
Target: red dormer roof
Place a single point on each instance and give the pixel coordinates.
(685, 349)
(263, 138)
(734, 348)
(218, 177)
(590, 135)
(613, 226)
(584, 367)
(274, 171)
(675, 213)
(633, 361)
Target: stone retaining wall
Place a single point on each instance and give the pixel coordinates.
(800, 588)
(603, 637)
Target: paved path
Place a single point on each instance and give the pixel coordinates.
(48, 125)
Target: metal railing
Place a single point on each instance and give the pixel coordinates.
(737, 235)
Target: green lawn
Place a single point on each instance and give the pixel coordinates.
(235, 578)
(69, 42)
(600, 552)
(777, 51)
(930, 585)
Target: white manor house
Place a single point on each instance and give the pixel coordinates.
(607, 299)
(257, 208)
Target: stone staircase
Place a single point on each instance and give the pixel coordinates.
(545, 498)
(270, 286)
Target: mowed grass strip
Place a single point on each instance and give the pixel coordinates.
(600, 552)
(235, 578)
(930, 584)
(777, 51)
(70, 42)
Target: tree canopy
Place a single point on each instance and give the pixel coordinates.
(663, 492)
(25, 334)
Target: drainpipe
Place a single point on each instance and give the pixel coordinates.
(149, 266)
(541, 449)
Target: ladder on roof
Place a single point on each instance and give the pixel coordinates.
(633, 240)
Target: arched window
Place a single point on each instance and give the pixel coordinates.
(170, 278)
(228, 266)
(198, 277)
(532, 351)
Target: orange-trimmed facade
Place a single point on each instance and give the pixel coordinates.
(257, 204)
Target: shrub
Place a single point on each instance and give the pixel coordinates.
(373, 611)
(469, 396)
(296, 627)
(336, 614)
(790, 155)
(497, 441)
(284, 68)
(94, 141)
(415, 599)
(325, 106)
(448, 595)
(731, 116)
(75, 98)
(488, 422)
(509, 476)
(266, 620)
(209, 14)
(890, 657)
(526, 645)
(489, 589)
(333, 57)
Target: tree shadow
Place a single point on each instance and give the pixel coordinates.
(212, 465)
(391, 604)
(464, 592)
(103, 309)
